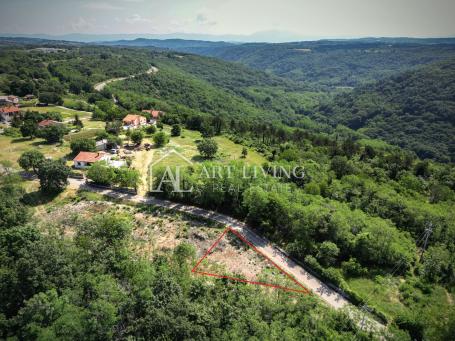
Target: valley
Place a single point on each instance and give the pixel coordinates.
(121, 166)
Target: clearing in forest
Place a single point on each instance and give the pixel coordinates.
(224, 260)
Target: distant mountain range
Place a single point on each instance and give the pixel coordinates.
(265, 36)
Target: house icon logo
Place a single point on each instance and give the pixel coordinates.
(162, 175)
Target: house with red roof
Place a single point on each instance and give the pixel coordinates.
(86, 159)
(134, 121)
(8, 113)
(154, 114)
(48, 123)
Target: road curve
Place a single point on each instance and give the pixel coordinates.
(102, 85)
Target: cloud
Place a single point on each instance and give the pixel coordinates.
(102, 6)
(136, 18)
(81, 24)
(202, 19)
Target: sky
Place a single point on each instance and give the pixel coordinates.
(293, 18)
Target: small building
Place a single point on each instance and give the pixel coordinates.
(29, 97)
(101, 145)
(154, 115)
(86, 159)
(9, 100)
(48, 123)
(133, 121)
(8, 113)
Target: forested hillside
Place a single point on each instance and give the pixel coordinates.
(414, 109)
(357, 218)
(334, 63)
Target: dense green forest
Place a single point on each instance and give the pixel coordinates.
(334, 63)
(414, 109)
(93, 287)
(357, 218)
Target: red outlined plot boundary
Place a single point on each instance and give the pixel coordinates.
(195, 270)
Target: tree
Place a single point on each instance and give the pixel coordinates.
(127, 177)
(101, 173)
(53, 175)
(51, 98)
(82, 145)
(29, 129)
(160, 139)
(114, 127)
(31, 160)
(53, 133)
(341, 166)
(150, 129)
(137, 136)
(77, 122)
(176, 130)
(12, 211)
(327, 253)
(244, 152)
(207, 148)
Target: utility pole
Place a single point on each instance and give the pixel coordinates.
(365, 310)
(428, 231)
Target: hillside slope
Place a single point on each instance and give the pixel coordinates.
(415, 109)
(334, 63)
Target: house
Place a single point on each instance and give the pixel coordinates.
(8, 113)
(48, 123)
(154, 114)
(86, 159)
(133, 121)
(9, 100)
(29, 97)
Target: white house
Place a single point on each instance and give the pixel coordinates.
(85, 159)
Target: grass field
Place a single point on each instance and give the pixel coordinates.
(66, 112)
(12, 148)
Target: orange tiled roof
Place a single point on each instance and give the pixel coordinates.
(131, 118)
(154, 113)
(46, 123)
(9, 110)
(89, 156)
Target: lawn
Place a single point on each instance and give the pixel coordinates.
(12, 148)
(66, 112)
(186, 146)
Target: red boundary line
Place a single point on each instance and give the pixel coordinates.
(242, 238)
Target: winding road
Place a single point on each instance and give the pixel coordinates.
(102, 85)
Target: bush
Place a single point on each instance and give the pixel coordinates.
(176, 130)
(151, 129)
(207, 148)
(160, 139)
(81, 144)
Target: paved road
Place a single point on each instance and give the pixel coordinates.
(102, 85)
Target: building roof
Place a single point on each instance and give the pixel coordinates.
(47, 123)
(9, 110)
(89, 156)
(101, 142)
(131, 118)
(153, 113)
